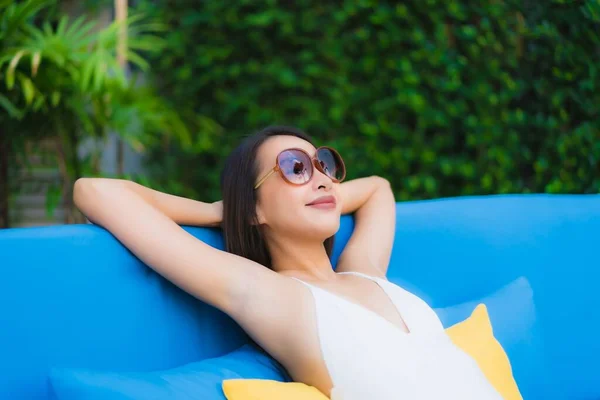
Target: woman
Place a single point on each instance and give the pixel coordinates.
(350, 333)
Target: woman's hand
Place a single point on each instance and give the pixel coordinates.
(218, 210)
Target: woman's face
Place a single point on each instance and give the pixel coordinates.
(285, 208)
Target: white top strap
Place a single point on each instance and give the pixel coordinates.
(302, 282)
(363, 275)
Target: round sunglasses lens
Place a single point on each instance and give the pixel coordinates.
(331, 163)
(295, 166)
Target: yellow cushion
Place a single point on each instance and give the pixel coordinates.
(473, 335)
(262, 389)
(476, 338)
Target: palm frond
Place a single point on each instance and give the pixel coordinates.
(16, 14)
(28, 88)
(62, 26)
(10, 72)
(139, 61)
(10, 108)
(36, 60)
(79, 32)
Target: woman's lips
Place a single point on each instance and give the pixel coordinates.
(323, 206)
(323, 203)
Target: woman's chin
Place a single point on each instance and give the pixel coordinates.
(326, 230)
(319, 227)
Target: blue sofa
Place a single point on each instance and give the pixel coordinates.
(75, 303)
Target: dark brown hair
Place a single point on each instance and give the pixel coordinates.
(241, 230)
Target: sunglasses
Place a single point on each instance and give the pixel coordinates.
(296, 166)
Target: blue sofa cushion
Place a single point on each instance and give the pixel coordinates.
(198, 380)
(511, 310)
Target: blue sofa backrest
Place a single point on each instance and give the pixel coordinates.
(74, 296)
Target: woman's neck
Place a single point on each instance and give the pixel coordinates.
(308, 260)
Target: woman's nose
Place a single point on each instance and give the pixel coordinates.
(320, 179)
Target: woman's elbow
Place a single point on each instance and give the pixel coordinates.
(382, 182)
(88, 191)
(81, 188)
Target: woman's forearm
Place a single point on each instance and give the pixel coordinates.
(181, 210)
(357, 192)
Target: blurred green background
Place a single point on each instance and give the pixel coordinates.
(443, 98)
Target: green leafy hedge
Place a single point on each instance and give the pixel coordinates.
(443, 98)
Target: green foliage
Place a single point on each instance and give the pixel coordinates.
(443, 98)
(60, 78)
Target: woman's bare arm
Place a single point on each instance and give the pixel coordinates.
(181, 210)
(370, 246)
(145, 222)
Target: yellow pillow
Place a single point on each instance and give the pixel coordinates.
(476, 338)
(473, 335)
(263, 389)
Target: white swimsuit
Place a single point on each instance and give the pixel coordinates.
(368, 357)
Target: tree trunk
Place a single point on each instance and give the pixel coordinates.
(121, 11)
